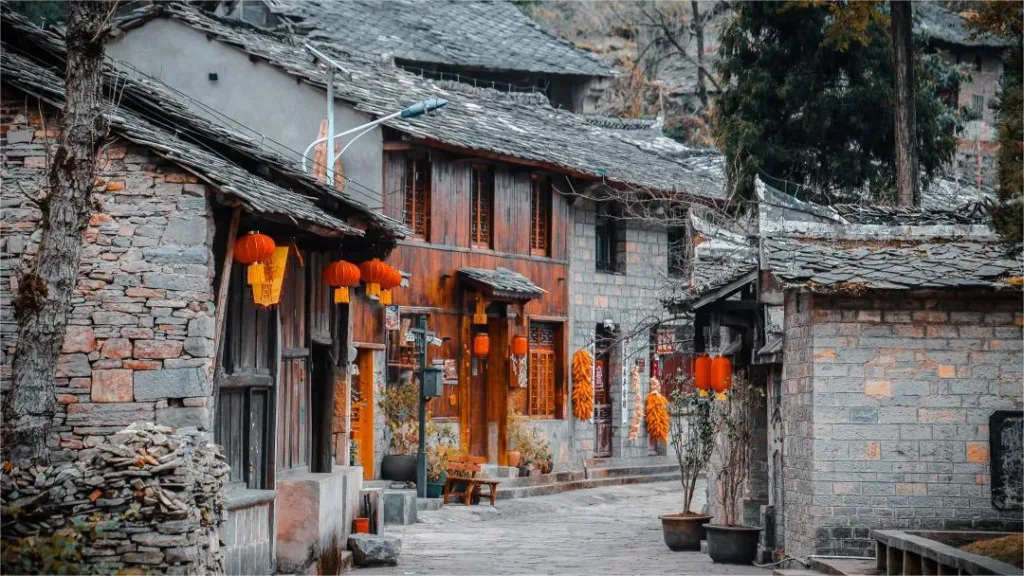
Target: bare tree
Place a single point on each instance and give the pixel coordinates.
(45, 289)
(906, 112)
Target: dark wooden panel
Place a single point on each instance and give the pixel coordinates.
(294, 426)
(259, 405)
(248, 330)
(451, 208)
(560, 214)
(321, 297)
(367, 319)
(293, 304)
(512, 191)
(394, 184)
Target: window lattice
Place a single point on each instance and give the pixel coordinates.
(540, 217)
(417, 195)
(483, 201)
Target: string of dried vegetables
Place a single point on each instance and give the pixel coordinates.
(638, 404)
(583, 385)
(657, 412)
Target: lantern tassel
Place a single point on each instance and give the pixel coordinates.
(385, 297)
(703, 393)
(720, 396)
(341, 295)
(256, 273)
(372, 289)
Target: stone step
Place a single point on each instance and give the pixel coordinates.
(845, 566)
(794, 572)
(511, 492)
(425, 504)
(592, 474)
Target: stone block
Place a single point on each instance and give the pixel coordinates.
(185, 232)
(175, 383)
(203, 326)
(181, 417)
(180, 282)
(107, 317)
(400, 507)
(375, 549)
(176, 254)
(199, 347)
(117, 348)
(157, 349)
(311, 509)
(112, 386)
(79, 339)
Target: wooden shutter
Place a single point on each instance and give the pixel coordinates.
(540, 217)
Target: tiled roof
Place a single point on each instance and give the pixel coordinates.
(852, 264)
(937, 23)
(503, 282)
(512, 126)
(481, 34)
(151, 116)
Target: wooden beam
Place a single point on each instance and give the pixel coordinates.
(222, 305)
(397, 146)
(465, 375)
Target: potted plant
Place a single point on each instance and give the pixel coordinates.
(442, 446)
(518, 437)
(399, 402)
(731, 542)
(693, 421)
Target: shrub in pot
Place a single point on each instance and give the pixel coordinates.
(693, 421)
(731, 542)
(442, 447)
(400, 404)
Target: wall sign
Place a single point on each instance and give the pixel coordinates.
(1006, 442)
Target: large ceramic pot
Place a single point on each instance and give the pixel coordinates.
(513, 458)
(683, 531)
(732, 544)
(398, 468)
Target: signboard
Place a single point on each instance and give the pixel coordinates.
(269, 293)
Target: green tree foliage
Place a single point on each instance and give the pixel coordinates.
(1004, 20)
(809, 104)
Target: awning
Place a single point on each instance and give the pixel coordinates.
(501, 283)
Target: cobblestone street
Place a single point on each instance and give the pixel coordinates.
(612, 530)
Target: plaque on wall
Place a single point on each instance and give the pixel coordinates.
(1006, 441)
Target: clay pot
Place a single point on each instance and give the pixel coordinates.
(683, 531)
(513, 458)
(732, 544)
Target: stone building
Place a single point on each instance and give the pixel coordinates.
(163, 327)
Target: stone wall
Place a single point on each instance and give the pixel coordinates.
(139, 344)
(628, 300)
(887, 400)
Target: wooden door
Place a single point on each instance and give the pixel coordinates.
(362, 412)
(602, 409)
(478, 406)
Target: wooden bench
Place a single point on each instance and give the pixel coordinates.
(464, 481)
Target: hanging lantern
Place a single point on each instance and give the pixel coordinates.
(721, 376)
(255, 249)
(481, 345)
(392, 279)
(519, 345)
(702, 374)
(342, 275)
(373, 274)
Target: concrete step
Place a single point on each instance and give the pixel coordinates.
(794, 572)
(425, 504)
(845, 566)
(511, 492)
(591, 474)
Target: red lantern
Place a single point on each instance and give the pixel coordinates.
(702, 374)
(342, 275)
(519, 345)
(391, 280)
(721, 376)
(373, 272)
(255, 249)
(481, 345)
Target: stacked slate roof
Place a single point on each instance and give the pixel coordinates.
(150, 115)
(502, 282)
(514, 127)
(480, 34)
(936, 23)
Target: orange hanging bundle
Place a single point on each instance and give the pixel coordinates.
(582, 385)
(657, 413)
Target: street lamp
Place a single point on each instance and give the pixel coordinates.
(417, 109)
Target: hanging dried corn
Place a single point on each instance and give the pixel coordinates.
(657, 412)
(638, 404)
(582, 385)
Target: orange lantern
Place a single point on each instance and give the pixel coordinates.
(373, 272)
(481, 345)
(721, 376)
(255, 249)
(392, 280)
(342, 275)
(519, 345)
(702, 374)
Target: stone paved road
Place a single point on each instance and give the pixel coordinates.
(612, 530)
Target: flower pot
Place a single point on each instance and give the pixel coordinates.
(683, 531)
(434, 490)
(732, 544)
(398, 468)
(513, 458)
(361, 525)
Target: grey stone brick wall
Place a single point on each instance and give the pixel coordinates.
(887, 400)
(629, 299)
(139, 344)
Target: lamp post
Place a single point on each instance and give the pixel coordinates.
(430, 387)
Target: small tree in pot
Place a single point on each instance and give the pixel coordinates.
(400, 404)
(694, 420)
(732, 542)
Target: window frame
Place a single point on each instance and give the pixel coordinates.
(552, 388)
(678, 256)
(481, 175)
(418, 197)
(541, 201)
(607, 260)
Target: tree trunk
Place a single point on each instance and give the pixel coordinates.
(906, 113)
(45, 289)
(698, 32)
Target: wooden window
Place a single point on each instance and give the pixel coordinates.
(417, 196)
(540, 217)
(481, 214)
(677, 252)
(606, 231)
(542, 395)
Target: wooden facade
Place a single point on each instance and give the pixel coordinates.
(459, 189)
